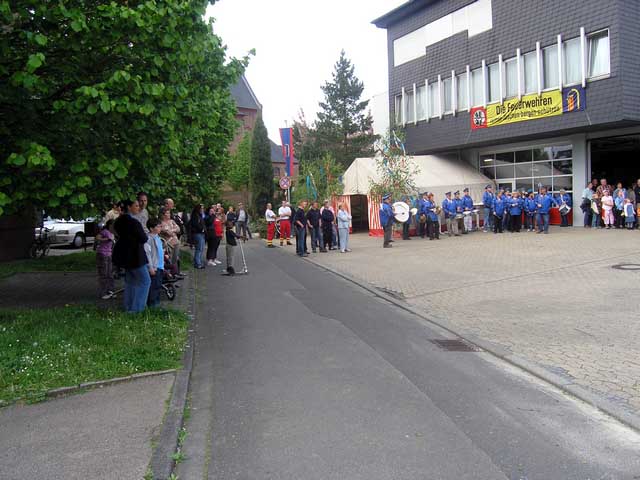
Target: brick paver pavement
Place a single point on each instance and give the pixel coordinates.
(552, 299)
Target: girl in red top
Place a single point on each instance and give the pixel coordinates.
(214, 230)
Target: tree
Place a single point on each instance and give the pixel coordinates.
(100, 99)
(344, 125)
(397, 171)
(238, 174)
(319, 179)
(262, 187)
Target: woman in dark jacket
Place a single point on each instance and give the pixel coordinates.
(129, 254)
(197, 228)
(213, 242)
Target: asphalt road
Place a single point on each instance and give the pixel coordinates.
(300, 374)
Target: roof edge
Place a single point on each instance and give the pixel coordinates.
(253, 95)
(401, 12)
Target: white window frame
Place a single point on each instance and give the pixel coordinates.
(539, 65)
(488, 85)
(504, 76)
(468, 88)
(427, 99)
(397, 105)
(519, 67)
(425, 103)
(564, 60)
(415, 105)
(548, 89)
(501, 81)
(484, 83)
(444, 94)
(440, 98)
(592, 34)
(560, 76)
(402, 108)
(583, 57)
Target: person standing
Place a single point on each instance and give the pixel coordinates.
(112, 214)
(210, 235)
(242, 221)
(143, 215)
(487, 203)
(449, 208)
(515, 210)
(284, 216)
(603, 187)
(433, 221)
(300, 223)
(169, 231)
(607, 208)
(506, 219)
(129, 254)
(155, 261)
(386, 220)
(596, 208)
(564, 199)
(459, 218)
(629, 214)
(636, 191)
(497, 210)
(197, 228)
(270, 217)
(104, 262)
(618, 201)
(231, 215)
(328, 218)
(544, 202)
(530, 211)
(423, 214)
(585, 206)
(344, 220)
(467, 206)
(313, 221)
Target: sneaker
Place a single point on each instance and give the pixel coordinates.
(210, 262)
(107, 296)
(347, 250)
(217, 262)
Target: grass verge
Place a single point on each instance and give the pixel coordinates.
(74, 262)
(186, 260)
(57, 347)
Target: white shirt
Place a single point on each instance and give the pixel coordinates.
(269, 215)
(284, 213)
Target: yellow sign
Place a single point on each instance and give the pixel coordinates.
(529, 107)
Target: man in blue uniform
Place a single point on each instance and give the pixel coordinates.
(564, 198)
(449, 209)
(497, 209)
(459, 211)
(544, 202)
(529, 211)
(386, 219)
(407, 224)
(487, 202)
(423, 214)
(467, 206)
(515, 211)
(506, 219)
(433, 221)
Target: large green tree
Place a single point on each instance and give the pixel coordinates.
(239, 172)
(344, 124)
(100, 99)
(261, 183)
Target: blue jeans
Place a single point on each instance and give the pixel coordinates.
(136, 288)
(316, 238)
(344, 238)
(155, 289)
(543, 222)
(487, 219)
(596, 219)
(301, 237)
(587, 217)
(198, 240)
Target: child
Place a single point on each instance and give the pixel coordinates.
(232, 242)
(607, 208)
(596, 207)
(629, 214)
(530, 211)
(104, 250)
(155, 261)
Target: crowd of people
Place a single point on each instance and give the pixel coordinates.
(602, 205)
(327, 228)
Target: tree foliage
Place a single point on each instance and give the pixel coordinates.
(344, 126)
(319, 179)
(262, 185)
(100, 99)
(396, 169)
(239, 170)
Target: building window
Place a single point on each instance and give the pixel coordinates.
(421, 102)
(408, 107)
(398, 109)
(477, 87)
(447, 94)
(493, 72)
(550, 66)
(530, 74)
(511, 78)
(571, 62)
(434, 101)
(599, 54)
(461, 84)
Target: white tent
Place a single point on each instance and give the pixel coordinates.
(437, 174)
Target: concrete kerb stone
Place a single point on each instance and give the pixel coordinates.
(162, 460)
(562, 383)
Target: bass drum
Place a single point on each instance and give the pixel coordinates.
(401, 212)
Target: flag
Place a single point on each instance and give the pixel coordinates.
(286, 136)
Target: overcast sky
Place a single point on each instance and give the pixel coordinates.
(297, 43)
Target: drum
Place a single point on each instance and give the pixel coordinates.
(564, 209)
(414, 211)
(401, 212)
(475, 211)
(467, 213)
(459, 216)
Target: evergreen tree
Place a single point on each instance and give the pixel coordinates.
(261, 169)
(344, 124)
(240, 165)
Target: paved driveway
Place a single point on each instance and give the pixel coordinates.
(553, 299)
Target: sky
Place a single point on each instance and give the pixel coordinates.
(297, 44)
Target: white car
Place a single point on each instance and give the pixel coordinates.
(67, 232)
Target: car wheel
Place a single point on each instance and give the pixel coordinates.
(78, 240)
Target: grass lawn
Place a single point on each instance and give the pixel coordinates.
(186, 260)
(74, 262)
(45, 349)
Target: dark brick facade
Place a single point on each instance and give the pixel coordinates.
(612, 102)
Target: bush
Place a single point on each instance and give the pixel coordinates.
(259, 225)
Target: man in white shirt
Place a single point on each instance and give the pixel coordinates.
(270, 217)
(284, 215)
(242, 219)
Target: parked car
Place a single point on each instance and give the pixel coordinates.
(71, 232)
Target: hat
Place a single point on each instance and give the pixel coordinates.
(457, 192)
(530, 190)
(447, 193)
(386, 196)
(466, 190)
(488, 186)
(425, 193)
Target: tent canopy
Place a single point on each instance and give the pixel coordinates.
(437, 174)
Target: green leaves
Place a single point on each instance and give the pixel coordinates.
(35, 61)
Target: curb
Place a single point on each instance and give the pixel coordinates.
(562, 383)
(162, 462)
